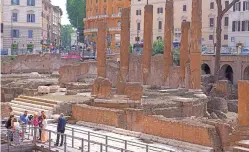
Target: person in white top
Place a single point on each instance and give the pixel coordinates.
(44, 134)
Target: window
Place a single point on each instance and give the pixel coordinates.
(236, 26)
(184, 8)
(104, 0)
(160, 10)
(96, 11)
(119, 24)
(31, 18)
(14, 17)
(245, 25)
(30, 34)
(211, 5)
(138, 26)
(96, 1)
(236, 6)
(246, 6)
(226, 4)
(211, 37)
(30, 2)
(159, 38)
(226, 21)
(137, 38)
(138, 12)
(15, 33)
(211, 22)
(104, 11)
(15, 2)
(1, 27)
(160, 25)
(226, 37)
(119, 10)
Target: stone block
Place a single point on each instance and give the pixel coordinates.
(217, 103)
(102, 88)
(71, 92)
(53, 89)
(43, 89)
(134, 91)
(34, 75)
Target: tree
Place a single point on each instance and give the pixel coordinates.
(221, 12)
(66, 32)
(158, 48)
(76, 10)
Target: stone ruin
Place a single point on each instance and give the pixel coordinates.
(147, 95)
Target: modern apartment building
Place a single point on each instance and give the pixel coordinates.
(56, 27)
(47, 14)
(108, 11)
(22, 24)
(182, 12)
(239, 25)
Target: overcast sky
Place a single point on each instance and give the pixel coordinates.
(62, 4)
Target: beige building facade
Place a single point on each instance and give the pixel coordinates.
(182, 12)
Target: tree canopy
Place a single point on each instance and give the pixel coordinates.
(66, 32)
(76, 9)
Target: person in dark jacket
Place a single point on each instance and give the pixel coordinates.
(60, 129)
(8, 126)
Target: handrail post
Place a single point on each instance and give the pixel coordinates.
(88, 141)
(35, 129)
(23, 132)
(49, 138)
(106, 143)
(147, 148)
(8, 139)
(73, 137)
(101, 148)
(65, 143)
(125, 144)
(82, 145)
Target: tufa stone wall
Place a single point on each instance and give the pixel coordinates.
(41, 63)
(135, 119)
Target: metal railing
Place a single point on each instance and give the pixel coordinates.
(123, 142)
(74, 143)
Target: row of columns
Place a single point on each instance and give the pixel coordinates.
(190, 47)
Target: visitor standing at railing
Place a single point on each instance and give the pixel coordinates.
(44, 134)
(61, 129)
(8, 126)
(16, 131)
(25, 120)
(40, 123)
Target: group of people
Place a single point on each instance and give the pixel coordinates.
(15, 131)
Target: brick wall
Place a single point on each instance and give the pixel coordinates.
(135, 119)
(105, 116)
(41, 63)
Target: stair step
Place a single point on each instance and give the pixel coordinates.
(30, 112)
(31, 105)
(35, 102)
(240, 149)
(38, 99)
(243, 143)
(28, 107)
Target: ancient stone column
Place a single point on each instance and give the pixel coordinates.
(125, 44)
(243, 103)
(195, 51)
(184, 49)
(101, 50)
(168, 37)
(148, 35)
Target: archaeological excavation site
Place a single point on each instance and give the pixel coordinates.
(154, 103)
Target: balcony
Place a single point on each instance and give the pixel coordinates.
(115, 29)
(103, 16)
(116, 15)
(91, 30)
